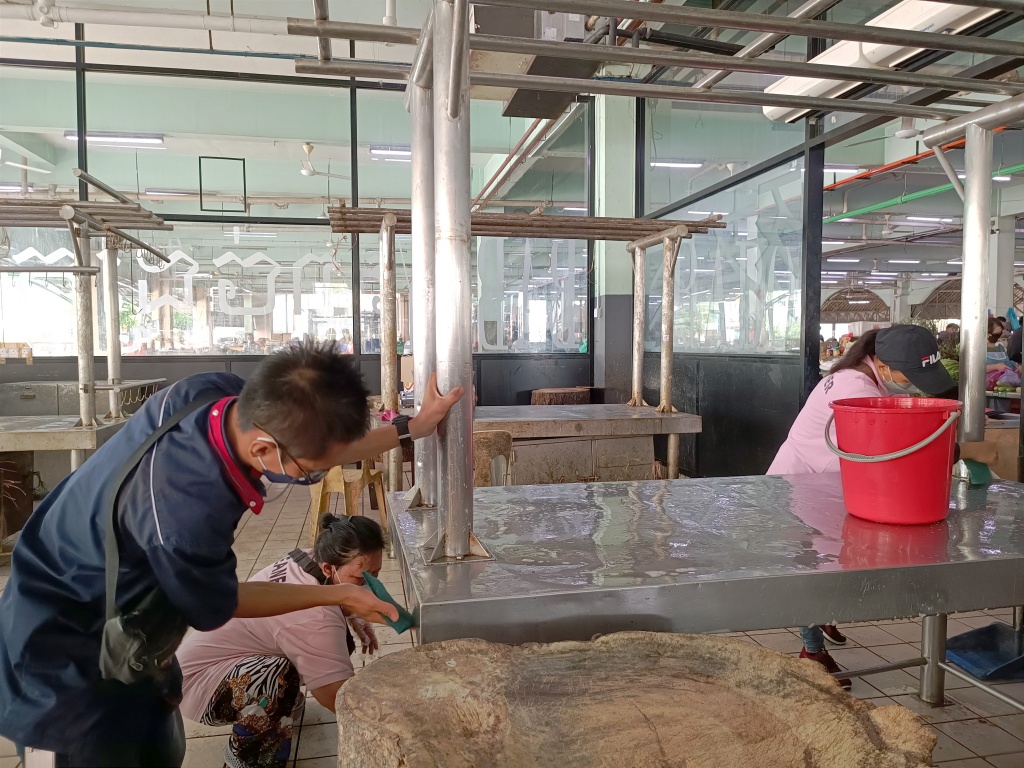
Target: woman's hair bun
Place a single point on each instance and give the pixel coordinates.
(326, 520)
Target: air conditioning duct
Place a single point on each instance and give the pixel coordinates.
(919, 15)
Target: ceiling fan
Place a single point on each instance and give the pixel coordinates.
(308, 169)
(907, 130)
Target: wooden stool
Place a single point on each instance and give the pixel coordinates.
(487, 446)
(351, 482)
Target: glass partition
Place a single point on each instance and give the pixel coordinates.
(737, 289)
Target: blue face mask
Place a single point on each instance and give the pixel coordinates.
(280, 477)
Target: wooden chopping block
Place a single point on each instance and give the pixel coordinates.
(564, 396)
(628, 700)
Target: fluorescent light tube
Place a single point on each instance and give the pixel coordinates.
(903, 261)
(392, 151)
(931, 219)
(251, 234)
(26, 167)
(674, 164)
(8, 187)
(846, 261)
(126, 139)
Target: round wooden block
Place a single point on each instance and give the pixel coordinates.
(567, 396)
(628, 700)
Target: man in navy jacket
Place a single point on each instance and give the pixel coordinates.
(303, 411)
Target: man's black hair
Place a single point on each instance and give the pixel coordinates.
(307, 396)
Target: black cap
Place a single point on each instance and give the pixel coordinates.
(913, 351)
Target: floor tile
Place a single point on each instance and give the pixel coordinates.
(982, 737)
(319, 741)
(1013, 724)
(905, 631)
(205, 753)
(1007, 761)
(948, 749)
(317, 714)
(951, 712)
(894, 683)
(785, 642)
(982, 703)
(970, 762)
(318, 762)
(869, 636)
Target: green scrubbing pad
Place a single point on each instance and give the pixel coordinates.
(406, 620)
(979, 473)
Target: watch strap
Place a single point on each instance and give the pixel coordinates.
(401, 423)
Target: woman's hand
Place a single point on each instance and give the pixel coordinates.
(367, 637)
(363, 603)
(435, 407)
(985, 452)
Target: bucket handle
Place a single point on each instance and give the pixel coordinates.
(862, 459)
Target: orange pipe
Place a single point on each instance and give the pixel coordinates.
(900, 163)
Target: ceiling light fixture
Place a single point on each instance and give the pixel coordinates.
(846, 261)
(708, 213)
(903, 261)
(575, 208)
(124, 139)
(15, 188)
(390, 151)
(994, 178)
(167, 192)
(930, 219)
(251, 234)
(833, 242)
(860, 301)
(26, 167)
(675, 164)
(397, 159)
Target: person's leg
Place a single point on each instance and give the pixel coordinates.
(260, 697)
(814, 639)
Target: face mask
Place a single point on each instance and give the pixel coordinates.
(994, 337)
(279, 477)
(899, 389)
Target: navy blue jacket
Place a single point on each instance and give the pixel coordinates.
(177, 516)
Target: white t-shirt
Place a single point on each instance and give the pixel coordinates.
(314, 640)
(804, 450)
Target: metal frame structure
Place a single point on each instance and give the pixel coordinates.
(85, 220)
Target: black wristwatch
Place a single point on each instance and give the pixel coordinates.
(401, 423)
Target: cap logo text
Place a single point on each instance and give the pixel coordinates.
(930, 360)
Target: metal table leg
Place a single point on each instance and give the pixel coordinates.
(933, 648)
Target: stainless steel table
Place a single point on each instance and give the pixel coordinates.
(710, 555)
(568, 443)
(53, 433)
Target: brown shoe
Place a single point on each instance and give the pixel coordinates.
(823, 658)
(833, 635)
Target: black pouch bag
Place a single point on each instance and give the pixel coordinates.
(138, 644)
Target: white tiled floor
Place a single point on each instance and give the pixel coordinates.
(974, 730)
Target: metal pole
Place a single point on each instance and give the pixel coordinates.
(757, 22)
(974, 310)
(958, 187)
(997, 115)
(452, 270)
(112, 300)
(668, 311)
(423, 309)
(933, 647)
(639, 319)
(320, 12)
(767, 41)
(389, 340)
(83, 325)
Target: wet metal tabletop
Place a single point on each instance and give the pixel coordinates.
(706, 555)
(53, 433)
(535, 421)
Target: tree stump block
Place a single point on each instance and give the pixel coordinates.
(566, 396)
(628, 700)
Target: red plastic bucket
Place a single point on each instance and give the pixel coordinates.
(895, 456)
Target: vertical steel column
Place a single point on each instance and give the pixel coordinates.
(112, 300)
(639, 318)
(421, 107)
(389, 339)
(452, 269)
(84, 335)
(974, 312)
(933, 647)
(668, 312)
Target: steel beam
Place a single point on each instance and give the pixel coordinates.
(716, 18)
(1003, 113)
(112, 301)
(346, 30)
(322, 13)
(83, 333)
(627, 55)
